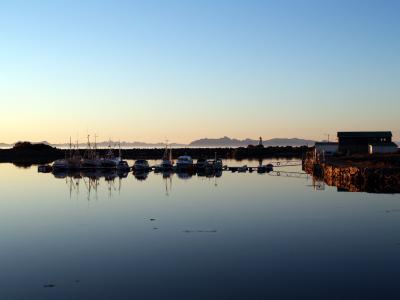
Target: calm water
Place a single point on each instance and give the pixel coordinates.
(239, 236)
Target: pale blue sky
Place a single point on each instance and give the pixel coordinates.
(151, 70)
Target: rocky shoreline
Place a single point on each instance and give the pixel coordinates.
(378, 174)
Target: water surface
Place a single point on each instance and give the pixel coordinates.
(238, 236)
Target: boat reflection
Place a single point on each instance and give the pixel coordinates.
(107, 174)
(91, 180)
(141, 175)
(209, 173)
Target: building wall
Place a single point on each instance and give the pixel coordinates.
(327, 149)
(382, 149)
(359, 145)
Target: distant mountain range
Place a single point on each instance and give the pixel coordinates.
(205, 142)
(200, 143)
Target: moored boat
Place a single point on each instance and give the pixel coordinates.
(217, 164)
(109, 160)
(141, 165)
(90, 159)
(166, 161)
(184, 162)
(202, 164)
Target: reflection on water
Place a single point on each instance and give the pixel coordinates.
(91, 179)
(277, 235)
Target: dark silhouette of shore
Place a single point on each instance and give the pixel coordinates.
(25, 153)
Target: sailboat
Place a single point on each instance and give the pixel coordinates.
(90, 160)
(74, 161)
(122, 165)
(166, 162)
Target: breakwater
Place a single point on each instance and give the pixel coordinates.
(377, 174)
(27, 153)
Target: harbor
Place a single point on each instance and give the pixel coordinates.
(92, 160)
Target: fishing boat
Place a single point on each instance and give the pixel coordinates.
(75, 159)
(109, 160)
(90, 159)
(72, 162)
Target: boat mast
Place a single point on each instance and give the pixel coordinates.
(70, 148)
(89, 151)
(95, 146)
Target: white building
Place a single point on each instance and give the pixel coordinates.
(382, 148)
(326, 148)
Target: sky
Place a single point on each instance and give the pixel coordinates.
(182, 70)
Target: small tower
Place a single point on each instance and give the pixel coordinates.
(260, 142)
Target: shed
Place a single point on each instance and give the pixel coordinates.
(359, 141)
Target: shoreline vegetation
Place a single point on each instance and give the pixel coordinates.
(26, 153)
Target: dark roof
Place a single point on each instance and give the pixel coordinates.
(364, 134)
(326, 143)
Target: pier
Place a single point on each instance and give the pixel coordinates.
(271, 166)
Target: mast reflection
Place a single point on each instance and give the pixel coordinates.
(91, 181)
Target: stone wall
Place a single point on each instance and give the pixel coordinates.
(356, 179)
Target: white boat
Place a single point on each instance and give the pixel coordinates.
(60, 164)
(141, 165)
(184, 162)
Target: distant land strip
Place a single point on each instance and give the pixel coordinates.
(223, 142)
